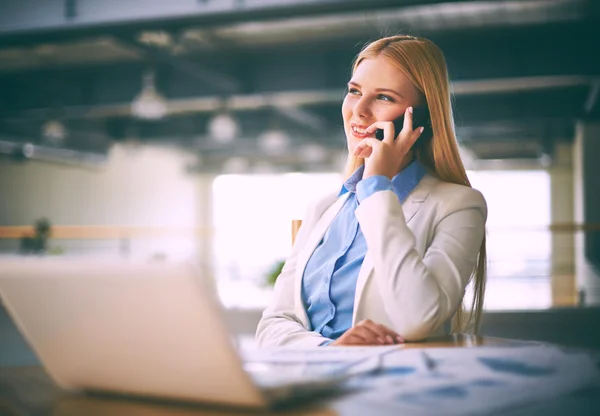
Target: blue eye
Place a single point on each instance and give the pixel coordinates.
(385, 97)
(353, 91)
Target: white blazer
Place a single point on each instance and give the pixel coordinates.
(420, 257)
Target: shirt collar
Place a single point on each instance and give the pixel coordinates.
(352, 181)
(402, 184)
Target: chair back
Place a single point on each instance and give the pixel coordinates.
(295, 227)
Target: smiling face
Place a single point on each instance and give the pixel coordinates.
(378, 91)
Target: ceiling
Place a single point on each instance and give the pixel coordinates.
(522, 73)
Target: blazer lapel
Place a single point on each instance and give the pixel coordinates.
(409, 208)
(313, 240)
(363, 275)
(417, 197)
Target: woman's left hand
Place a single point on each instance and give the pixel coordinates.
(385, 157)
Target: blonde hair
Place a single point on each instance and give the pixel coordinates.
(425, 66)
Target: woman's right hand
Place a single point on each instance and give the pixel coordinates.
(368, 332)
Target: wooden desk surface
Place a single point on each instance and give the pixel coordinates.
(463, 341)
(29, 391)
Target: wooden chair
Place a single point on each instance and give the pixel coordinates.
(295, 227)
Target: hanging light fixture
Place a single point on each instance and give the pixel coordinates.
(54, 132)
(223, 128)
(274, 141)
(149, 104)
(237, 165)
(313, 153)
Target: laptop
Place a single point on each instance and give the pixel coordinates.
(156, 329)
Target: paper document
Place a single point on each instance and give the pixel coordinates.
(273, 366)
(468, 381)
(316, 354)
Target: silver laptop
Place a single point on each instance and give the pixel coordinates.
(155, 329)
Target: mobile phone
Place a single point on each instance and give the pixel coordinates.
(420, 119)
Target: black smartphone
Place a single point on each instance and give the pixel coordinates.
(420, 119)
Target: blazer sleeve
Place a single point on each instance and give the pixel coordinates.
(279, 325)
(421, 293)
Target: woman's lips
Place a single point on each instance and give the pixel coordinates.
(358, 131)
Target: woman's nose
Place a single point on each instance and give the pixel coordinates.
(361, 108)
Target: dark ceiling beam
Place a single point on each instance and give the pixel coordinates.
(557, 128)
(223, 82)
(520, 84)
(291, 101)
(303, 117)
(541, 104)
(565, 50)
(24, 22)
(249, 102)
(280, 13)
(21, 151)
(494, 53)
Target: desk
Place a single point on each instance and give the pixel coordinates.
(29, 391)
(464, 341)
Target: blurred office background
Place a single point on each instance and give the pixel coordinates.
(200, 128)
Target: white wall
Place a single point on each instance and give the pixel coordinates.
(139, 186)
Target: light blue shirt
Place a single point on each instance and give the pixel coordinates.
(329, 280)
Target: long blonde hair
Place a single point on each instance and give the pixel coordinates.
(425, 66)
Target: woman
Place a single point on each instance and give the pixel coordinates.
(387, 259)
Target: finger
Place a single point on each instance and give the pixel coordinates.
(370, 142)
(383, 334)
(355, 340)
(358, 150)
(391, 336)
(408, 122)
(361, 151)
(368, 337)
(386, 126)
(365, 152)
(378, 336)
(366, 147)
(379, 330)
(408, 143)
(348, 339)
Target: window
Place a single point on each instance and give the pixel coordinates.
(252, 221)
(518, 240)
(253, 214)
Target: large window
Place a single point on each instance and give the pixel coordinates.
(252, 220)
(253, 214)
(518, 240)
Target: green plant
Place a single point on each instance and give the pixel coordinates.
(37, 243)
(274, 273)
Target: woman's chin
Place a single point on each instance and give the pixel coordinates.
(352, 143)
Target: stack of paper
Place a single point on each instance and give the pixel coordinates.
(467, 381)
